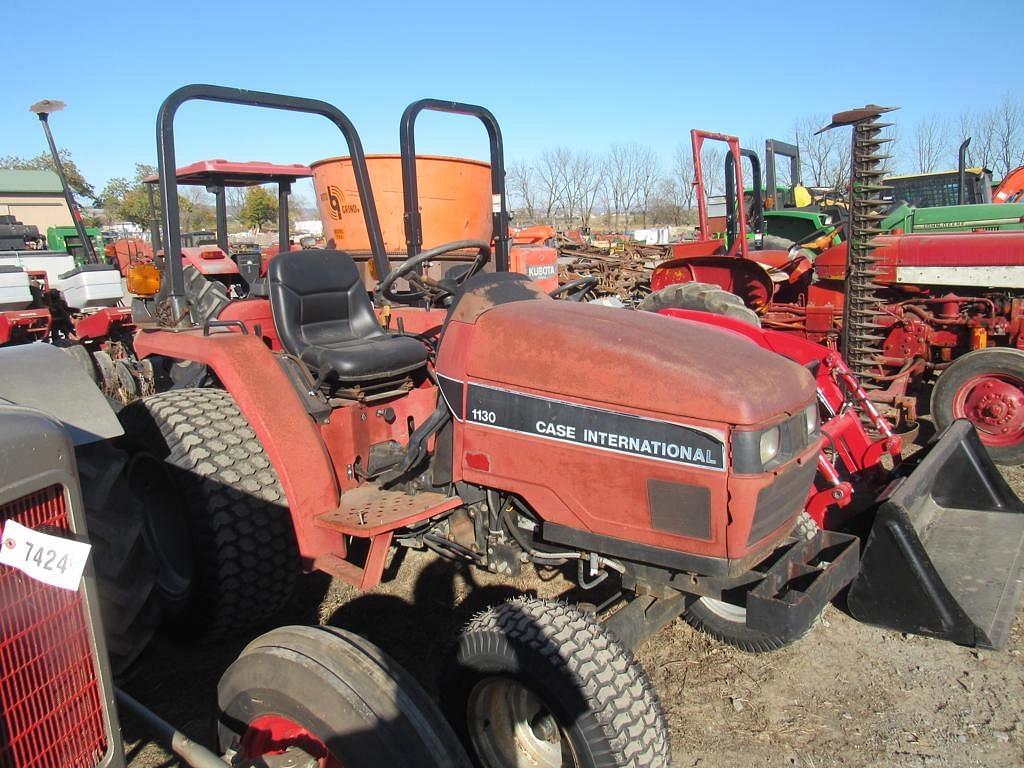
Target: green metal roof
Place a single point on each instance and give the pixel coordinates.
(29, 182)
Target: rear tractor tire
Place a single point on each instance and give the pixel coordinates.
(987, 388)
(702, 297)
(229, 558)
(542, 683)
(126, 572)
(336, 697)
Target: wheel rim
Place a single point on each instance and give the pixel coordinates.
(994, 404)
(724, 610)
(510, 727)
(275, 734)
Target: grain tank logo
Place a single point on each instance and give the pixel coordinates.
(336, 203)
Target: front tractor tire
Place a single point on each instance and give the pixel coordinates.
(542, 683)
(336, 697)
(985, 387)
(703, 297)
(229, 559)
(726, 619)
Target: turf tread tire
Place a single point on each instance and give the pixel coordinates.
(559, 646)
(245, 555)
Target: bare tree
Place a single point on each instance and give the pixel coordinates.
(521, 182)
(683, 176)
(712, 165)
(1008, 131)
(550, 185)
(979, 127)
(621, 178)
(824, 157)
(647, 178)
(929, 144)
(590, 171)
(670, 200)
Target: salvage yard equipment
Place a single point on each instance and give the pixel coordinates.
(946, 303)
(296, 696)
(624, 274)
(238, 272)
(476, 431)
(425, 201)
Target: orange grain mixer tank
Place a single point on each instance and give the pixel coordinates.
(455, 204)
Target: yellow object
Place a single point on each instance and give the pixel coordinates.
(979, 338)
(142, 279)
(801, 196)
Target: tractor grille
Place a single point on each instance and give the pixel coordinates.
(51, 710)
(781, 500)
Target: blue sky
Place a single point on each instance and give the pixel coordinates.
(577, 74)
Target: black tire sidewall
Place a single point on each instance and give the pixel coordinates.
(339, 698)
(951, 381)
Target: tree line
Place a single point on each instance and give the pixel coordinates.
(630, 185)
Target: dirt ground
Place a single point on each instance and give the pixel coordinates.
(847, 695)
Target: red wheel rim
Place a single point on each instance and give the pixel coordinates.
(273, 734)
(994, 404)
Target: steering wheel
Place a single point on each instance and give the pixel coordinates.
(426, 287)
(576, 289)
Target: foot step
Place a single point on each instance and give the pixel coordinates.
(370, 510)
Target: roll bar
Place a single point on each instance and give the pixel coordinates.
(499, 205)
(169, 182)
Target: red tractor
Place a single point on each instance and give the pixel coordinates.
(57, 690)
(475, 416)
(922, 304)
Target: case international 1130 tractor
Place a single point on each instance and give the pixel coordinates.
(474, 415)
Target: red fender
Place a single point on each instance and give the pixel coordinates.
(744, 277)
(266, 397)
(209, 260)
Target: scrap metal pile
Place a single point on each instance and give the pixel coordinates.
(623, 271)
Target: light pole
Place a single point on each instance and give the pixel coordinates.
(44, 108)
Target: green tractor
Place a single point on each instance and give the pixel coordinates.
(948, 201)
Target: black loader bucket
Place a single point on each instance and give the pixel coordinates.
(944, 555)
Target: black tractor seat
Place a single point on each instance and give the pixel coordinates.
(324, 317)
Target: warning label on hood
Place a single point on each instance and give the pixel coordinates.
(593, 427)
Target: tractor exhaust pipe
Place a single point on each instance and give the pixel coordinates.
(43, 109)
(962, 172)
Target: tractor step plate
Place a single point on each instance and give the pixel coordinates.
(369, 510)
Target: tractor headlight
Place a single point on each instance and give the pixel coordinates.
(811, 418)
(769, 443)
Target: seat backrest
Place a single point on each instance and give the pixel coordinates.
(317, 297)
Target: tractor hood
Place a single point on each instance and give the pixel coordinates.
(621, 358)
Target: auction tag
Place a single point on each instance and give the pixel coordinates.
(52, 560)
